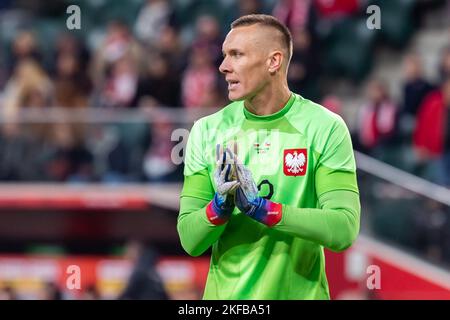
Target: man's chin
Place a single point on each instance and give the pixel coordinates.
(235, 97)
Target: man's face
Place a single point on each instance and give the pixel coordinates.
(246, 61)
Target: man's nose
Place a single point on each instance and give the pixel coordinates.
(224, 66)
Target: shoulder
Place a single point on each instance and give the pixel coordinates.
(321, 127)
(228, 115)
(312, 117)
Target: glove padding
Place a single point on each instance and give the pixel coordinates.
(224, 176)
(220, 208)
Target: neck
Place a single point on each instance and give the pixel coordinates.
(269, 101)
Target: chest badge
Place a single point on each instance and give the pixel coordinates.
(295, 162)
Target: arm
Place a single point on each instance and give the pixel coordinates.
(203, 211)
(196, 232)
(335, 225)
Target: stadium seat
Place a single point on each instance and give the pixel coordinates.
(396, 20)
(100, 12)
(350, 49)
(187, 11)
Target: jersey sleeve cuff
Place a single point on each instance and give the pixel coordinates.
(217, 215)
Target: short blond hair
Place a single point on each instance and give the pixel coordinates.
(269, 21)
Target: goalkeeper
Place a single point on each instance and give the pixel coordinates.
(270, 180)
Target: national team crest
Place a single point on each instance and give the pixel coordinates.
(295, 162)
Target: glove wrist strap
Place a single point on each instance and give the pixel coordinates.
(266, 212)
(218, 214)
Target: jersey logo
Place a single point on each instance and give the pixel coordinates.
(294, 162)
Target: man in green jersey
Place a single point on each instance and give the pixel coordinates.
(290, 191)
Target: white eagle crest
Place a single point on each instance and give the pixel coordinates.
(295, 162)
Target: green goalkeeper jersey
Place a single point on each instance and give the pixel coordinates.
(301, 157)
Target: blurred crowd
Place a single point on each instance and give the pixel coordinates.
(163, 58)
(154, 61)
(410, 132)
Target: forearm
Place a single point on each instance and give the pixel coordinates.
(335, 225)
(196, 232)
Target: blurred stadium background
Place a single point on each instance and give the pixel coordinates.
(87, 134)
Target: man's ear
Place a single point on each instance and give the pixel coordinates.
(275, 61)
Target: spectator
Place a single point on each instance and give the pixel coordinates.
(119, 43)
(20, 153)
(415, 86)
(68, 44)
(158, 165)
(72, 85)
(154, 16)
(293, 13)
(199, 77)
(304, 68)
(377, 118)
(24, 47)
(144, 282)
(67, 158)
(172, 49)
(121, 85)
(112, 154)
(208, 36)
(30, 87)
(429, 134)
(160, 86)
(119, 163)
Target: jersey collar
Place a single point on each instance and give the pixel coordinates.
(251, 116)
